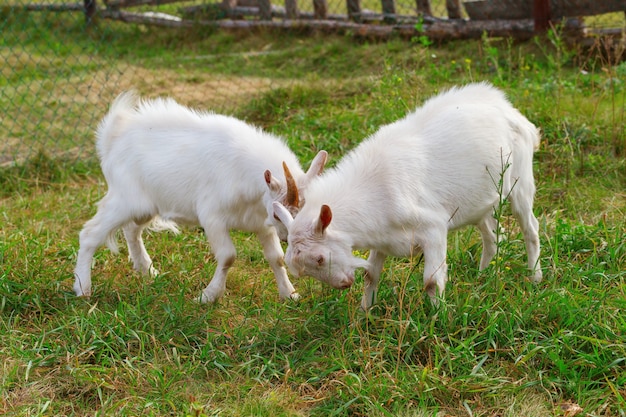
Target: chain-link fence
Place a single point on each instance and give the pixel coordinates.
(59, 73)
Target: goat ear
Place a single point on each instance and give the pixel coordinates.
(317, 165)
(282, 214)
(293, 200)
(326, 215)
(272, 182)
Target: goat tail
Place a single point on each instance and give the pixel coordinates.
(111, 242)
(160, 224)
(526, 140)
(113, 123)
(535, 135)
(531, 133)
(525, 135)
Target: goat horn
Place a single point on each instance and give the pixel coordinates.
(292, 189)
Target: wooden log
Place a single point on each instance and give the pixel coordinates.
(320, 9)
(354, 10)
(524, 9)
(441, 29)
(291, 9)
(118, 4)
(53, 7)
(454, 9)
(423, 7)
(151, 19)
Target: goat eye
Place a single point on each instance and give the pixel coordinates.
(320, 260)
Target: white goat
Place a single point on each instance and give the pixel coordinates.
(400, 192)
(166, 163)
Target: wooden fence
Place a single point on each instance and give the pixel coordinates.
(510, 18)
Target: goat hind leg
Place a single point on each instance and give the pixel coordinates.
(487, 227)
(522, 209)
(93, 235)
(137, 250)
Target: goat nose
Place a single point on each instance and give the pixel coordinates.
(347, 282)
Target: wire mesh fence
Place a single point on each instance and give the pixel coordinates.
(59, 73)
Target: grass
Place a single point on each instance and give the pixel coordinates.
(497, 346)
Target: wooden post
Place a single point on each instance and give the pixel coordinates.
(320, 9)
(541, 14)
(265, 9)
(229, 4)
(423, 7)
(90, 11)
(389, 10)
(354, 10)
(291, 9)
(454, 9)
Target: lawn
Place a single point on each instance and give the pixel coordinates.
(498, 345)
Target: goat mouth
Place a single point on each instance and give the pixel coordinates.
(343, 286)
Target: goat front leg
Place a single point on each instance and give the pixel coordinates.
(274, 254)
(371, 279)
(435, 266)
(225, 253)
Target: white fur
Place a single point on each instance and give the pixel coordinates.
(165, 163)
(401, 190)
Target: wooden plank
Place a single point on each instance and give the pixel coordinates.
(389, 10)
(320, 9)
(454, 9)
(90, 11)
(228, 4)
(265, 9)
(541, 15)
(291, 9)
(423, 7)
(576, 8)
(354, 10)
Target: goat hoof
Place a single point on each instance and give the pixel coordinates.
(80, 292)
(209, 297)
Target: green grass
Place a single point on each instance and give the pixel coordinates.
(498, 345)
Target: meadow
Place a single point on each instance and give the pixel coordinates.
(498, 345)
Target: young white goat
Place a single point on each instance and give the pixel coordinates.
(165, 163)
(444, 166)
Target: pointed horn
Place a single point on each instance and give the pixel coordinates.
(292, 190)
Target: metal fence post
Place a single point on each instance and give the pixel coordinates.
(90, 11)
